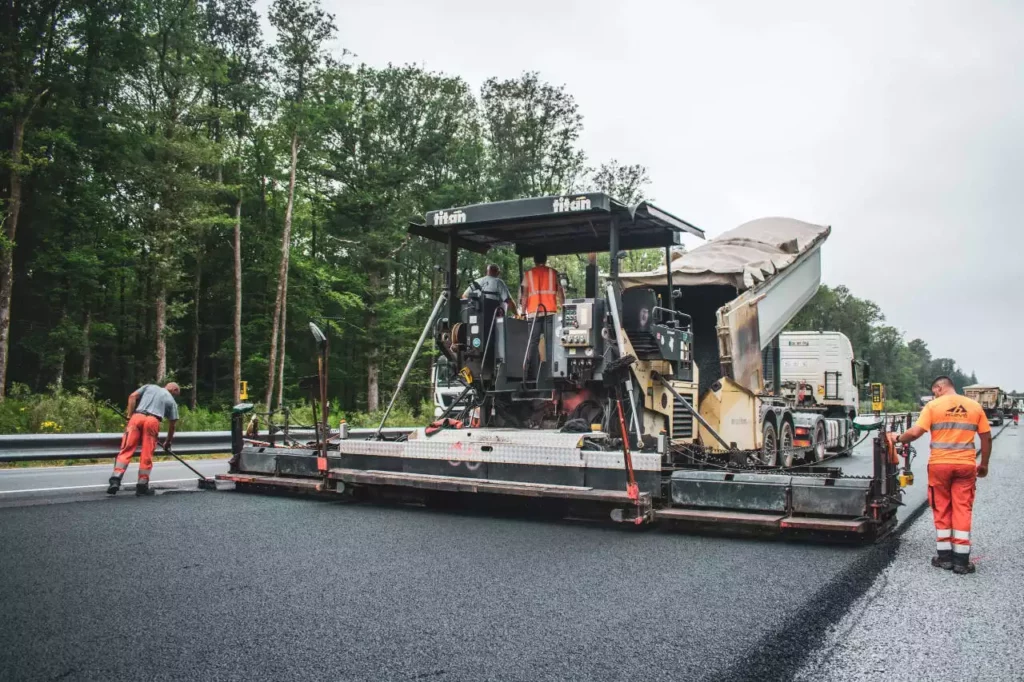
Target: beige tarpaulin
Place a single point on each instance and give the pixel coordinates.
(742, 257)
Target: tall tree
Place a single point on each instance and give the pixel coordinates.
(627, 183)
(32, 53)
(174, 198)
(302, 30)
(532, 129)
(236, 34)
(406, 140)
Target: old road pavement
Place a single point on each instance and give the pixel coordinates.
(223, 585)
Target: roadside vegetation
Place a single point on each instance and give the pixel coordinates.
(182, 193)
(80, 412)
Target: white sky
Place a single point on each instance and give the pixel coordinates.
(900, 124)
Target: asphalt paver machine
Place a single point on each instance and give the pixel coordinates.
(594, 410)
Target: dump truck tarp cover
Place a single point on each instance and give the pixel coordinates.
(743, 257)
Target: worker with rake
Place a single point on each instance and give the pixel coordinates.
(147, 407)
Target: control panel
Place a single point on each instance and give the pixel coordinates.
(579, 346)
(577, 324)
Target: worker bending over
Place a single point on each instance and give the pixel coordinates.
(493, 287)
(953, 421)
(147, 407)
(540, 292)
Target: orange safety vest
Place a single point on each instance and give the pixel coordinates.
(953, 421)
(541, 287)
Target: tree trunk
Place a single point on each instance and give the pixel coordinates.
(372, 384)
(7, 250)
(160, 325)
(236, 365)
(195, 333)
(372, 359)
(86, 346)
(282, 274)
(284, 336)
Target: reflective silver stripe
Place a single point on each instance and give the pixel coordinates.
(943, 534)
(953, 446)
(961, 549)
(961, 426)
(962, 534)
(944, 546)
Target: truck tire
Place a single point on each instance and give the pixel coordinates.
(818, 442)
(769, 444)
(787, 453)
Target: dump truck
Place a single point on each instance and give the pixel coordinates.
(642, 401)
(990, 399)
(741, 290)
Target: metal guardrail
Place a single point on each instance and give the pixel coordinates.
(45, 446)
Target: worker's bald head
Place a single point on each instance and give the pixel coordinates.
(493, 270)
(942, 385)
(173, 388)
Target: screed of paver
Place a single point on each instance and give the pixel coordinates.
(921, 623)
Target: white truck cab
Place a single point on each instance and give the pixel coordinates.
(819, 370)
(446, 388)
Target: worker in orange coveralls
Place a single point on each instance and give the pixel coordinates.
(953, 421)
(147, 407)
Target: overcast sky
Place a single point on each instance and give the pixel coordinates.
(900, 124)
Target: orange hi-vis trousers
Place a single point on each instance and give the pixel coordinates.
(951, 496)
(144, 428)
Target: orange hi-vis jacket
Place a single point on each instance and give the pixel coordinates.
(953, 421)
(539, 291)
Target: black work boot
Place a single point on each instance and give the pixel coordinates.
(114, 484)
(945, 563)
(143, 490)
(962, 564)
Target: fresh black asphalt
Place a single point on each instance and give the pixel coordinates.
(225, 585)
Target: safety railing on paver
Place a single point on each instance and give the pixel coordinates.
(46, 446)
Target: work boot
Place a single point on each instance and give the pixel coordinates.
(964, 567)
(943, 563)
(114, 485)
(143, 490)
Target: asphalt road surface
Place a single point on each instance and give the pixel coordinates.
(919, 623)
(58, 483)
(224, 585)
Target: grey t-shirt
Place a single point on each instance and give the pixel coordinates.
(157, 401)
(492, 287)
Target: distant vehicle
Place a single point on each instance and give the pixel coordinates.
(925, 399)
(990, 399)
(446, 388)
(819, 370)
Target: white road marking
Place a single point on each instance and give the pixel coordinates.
(98, 485)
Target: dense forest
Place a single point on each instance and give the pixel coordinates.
(181, 194)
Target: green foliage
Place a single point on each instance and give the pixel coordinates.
(906, 369)
(151, 122)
